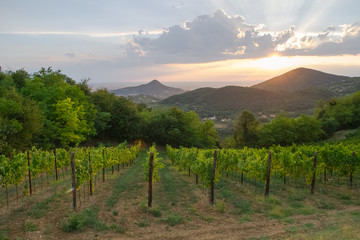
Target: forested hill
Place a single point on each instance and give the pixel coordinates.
(295, 91)
(153, 88)
(233, 99)
(304, 78)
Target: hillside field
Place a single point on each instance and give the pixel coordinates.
(181, 209)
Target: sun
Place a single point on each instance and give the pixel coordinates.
(274, 62)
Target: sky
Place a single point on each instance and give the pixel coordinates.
(182, 43)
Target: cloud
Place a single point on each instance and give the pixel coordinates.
(329, 43)
(206, 38)
(219, 37)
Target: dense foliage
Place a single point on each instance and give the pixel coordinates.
(339, 113)
(282, 130)
(50, 110)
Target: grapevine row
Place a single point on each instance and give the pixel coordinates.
(88, 162)
(295, 161)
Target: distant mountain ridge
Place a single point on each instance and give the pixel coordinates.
(233, 99)
(305, 78)
(296, 91)
(153, 88)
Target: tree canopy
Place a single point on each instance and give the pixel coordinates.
(48, 109)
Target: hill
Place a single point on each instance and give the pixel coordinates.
(295, 92)
(153, 88)
(231, 100)
(304, 78)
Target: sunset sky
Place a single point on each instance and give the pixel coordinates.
(122, 43)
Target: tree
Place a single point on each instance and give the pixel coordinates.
(70, 125)
(124, 120)
(20, 118)
(51, 90)
(208, 135)
(176, 128)
(285, 131)
(19, 77)
(339, 113)
(281, 130)
(246, 129)
(308, 129)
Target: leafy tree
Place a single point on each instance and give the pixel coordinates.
(20, 118)
(246, 129)
(308, 129)
(176, 128)
(51, 90)
(339, 113)
(208, 135)
(84, 86)
(285, 131)
(70, 125)
(19, 77)
(280, 130)
(124, 120)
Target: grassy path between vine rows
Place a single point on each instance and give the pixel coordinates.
(181, 210)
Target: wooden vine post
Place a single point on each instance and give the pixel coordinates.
(314, 175)
(151, 170)
(73, 180)
(28, 157)
(267, 188)
(351, 171)
(56, 171)
(90, 173)
(284, 166)
(104, 165)
(213, 178)
(242, 177)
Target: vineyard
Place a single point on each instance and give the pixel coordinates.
(304, 163)
(307, 189)
(88, 163)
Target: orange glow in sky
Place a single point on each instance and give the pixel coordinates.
(251, 70)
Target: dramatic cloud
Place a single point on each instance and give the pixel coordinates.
(207, 38)
(219, 37)
(328, 43)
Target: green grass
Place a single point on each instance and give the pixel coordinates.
(291, 229)
(87, 218)
(39, 209)
(144, 223)
(156, 212)
(4, 234)
(169, 185)
(30, 226)
(308, 226)
(326, 205)
(130, 181)
(242, 206)
(174, 219)
(355, 215)
(220, 206)
(245, 218)
(173, 188)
